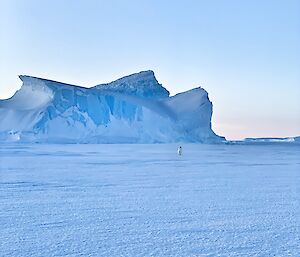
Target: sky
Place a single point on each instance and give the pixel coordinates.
(246, 54)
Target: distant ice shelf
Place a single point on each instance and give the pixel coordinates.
(273, 140)
(133, 109)
(266, 140)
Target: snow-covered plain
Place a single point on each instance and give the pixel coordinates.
(145, 200)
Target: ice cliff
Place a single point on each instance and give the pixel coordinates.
(133, 109)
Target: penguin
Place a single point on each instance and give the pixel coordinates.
(179, 150)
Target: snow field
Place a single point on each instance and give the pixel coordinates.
(145, 200)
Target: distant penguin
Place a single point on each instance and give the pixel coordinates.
(179, 150)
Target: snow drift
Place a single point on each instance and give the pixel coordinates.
(133, 109)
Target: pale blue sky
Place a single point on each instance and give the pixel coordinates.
(246, 54)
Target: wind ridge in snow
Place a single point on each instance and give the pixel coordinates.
(132, 109)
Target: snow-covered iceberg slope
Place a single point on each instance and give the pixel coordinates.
(133, 109)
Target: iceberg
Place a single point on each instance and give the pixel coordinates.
(133, 109)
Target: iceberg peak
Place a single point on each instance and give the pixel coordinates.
(142, 84)
(147, 75)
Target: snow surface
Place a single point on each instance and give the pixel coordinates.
(133, 109)
(145, 200)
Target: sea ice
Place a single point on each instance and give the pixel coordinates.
(145, 200)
